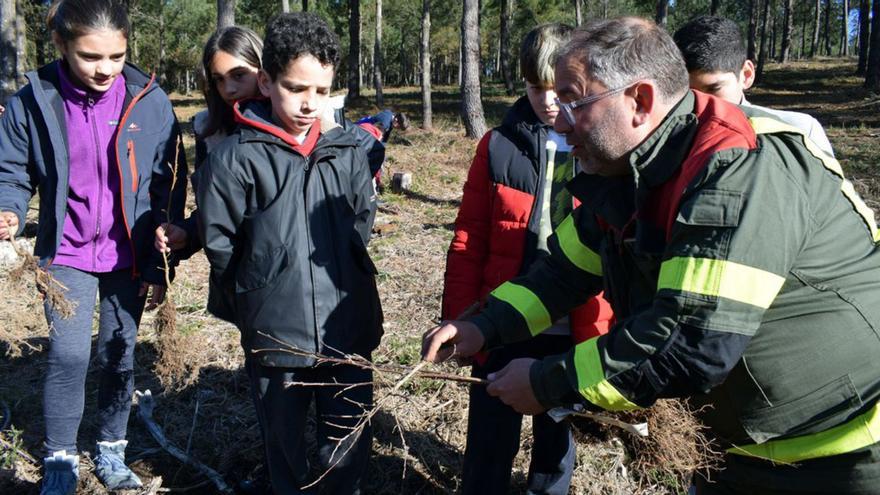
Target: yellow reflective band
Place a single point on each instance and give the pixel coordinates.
(766, 125)
(591, 379)
(858, 433)
(527, 304)
(720, 278)
(583, 257)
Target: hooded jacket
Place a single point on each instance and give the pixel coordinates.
(33, 158)
(285, 227)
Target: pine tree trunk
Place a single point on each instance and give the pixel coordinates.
(8, 50)
(762, 56)
(578, 12)
(20, 45)
(425, 57)
(471, 103)
(505, 47)
(714, 6)
(354, 48)
(814, 47)
(662, 12)
(872, 77)
(864, 35)
(305, 4)
(827, 33)
(285, 6)
(161, 62)
(377, 57)
(751, 51)
(785, 50)
(225, 13)
(844, 31)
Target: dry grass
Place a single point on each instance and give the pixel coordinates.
(419, 436)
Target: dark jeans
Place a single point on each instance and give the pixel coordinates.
(70, 339)
(493, 432)
(282, 412)
(854, 473)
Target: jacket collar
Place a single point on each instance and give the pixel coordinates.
(254, 116)
(661, 154)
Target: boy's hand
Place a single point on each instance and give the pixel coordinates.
(170, 238)
(8, 225)
(459, 338)
(156, 294)
(513, 386)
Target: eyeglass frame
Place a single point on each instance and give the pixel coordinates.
(567, 109)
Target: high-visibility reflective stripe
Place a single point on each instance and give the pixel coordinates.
(860, 432)
(526, 303)
(583, 257)
(591, 379)
(721, 279)
(767, 125)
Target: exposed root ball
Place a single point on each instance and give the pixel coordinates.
(677, 444)
(177, 365)
(24, 287)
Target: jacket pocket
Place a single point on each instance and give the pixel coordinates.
(260, 269)
(132, 165)
(711, 208)
(816, 411)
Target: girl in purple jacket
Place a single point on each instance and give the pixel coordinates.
(94, 136)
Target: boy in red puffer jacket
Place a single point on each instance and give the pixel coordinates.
(514, 198)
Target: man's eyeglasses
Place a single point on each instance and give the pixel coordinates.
(567, 109)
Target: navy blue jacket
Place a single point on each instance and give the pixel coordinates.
(33, 158)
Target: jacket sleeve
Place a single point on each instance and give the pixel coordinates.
(469, 248)
(16, 184)
(166, 203)
(364, 198)
(734, 240)
(222, 202)
(527, 305)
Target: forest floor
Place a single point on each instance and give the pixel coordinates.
(420, 433)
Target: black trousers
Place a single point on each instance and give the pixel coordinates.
(493, 433)
(282, 410)
(854, 473)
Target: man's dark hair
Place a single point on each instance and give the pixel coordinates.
(293, 35)
(621, 51)
(711, 44)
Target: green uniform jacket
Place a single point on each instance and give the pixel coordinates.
(744, 273)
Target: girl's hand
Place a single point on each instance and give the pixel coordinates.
(170, 237)
(8, 225)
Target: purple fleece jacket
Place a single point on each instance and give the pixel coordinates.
(94, 238)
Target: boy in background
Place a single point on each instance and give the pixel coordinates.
(285, 211)
(513, 199)
(716, 61)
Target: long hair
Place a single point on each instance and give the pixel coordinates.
(241, 43)
(70, 19)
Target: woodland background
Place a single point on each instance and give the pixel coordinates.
(817, 64)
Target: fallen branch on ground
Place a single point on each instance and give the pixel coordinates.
(146, 404)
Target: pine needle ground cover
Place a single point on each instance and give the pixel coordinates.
(420, 431)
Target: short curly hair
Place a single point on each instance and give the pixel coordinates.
(293, 35)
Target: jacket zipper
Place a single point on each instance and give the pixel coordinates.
(120, 128)
(90, 112)
(132, 165)
(307, 174)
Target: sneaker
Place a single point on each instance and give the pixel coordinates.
(110, 467)
(60, 474)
